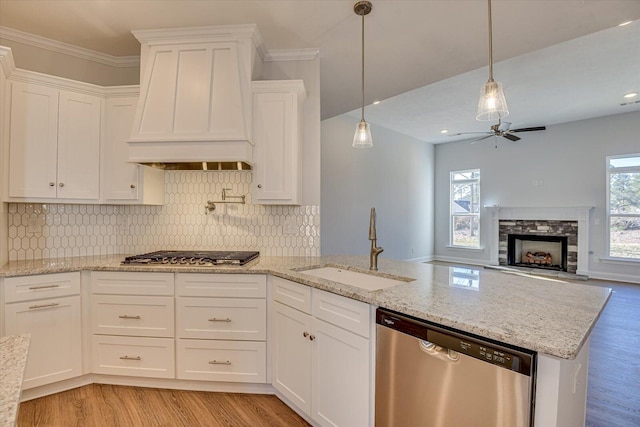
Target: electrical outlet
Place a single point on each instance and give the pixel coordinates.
(290, 226)
(33, 226)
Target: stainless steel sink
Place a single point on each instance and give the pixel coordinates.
(366, 281)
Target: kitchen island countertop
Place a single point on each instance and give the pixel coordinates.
(13, 359)
(539, 313)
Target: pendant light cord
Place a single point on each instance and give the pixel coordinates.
(490, 46)
(363, 67)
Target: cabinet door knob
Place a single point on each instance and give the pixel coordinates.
(52, 184)
(259, 185)
(61, 184)
(132, 186)
(312, 337)
(305, 334)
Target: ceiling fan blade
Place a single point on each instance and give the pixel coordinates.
(529, 129)
(512, 137)
(481, 138)
(471, 133)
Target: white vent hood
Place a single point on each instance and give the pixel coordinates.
(195, 95)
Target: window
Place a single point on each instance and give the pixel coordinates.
(465, 208)
(623, 206)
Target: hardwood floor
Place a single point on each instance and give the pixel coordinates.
(613, 397)
(118, 406)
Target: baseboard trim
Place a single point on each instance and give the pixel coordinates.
(456, 260)
(615, 277)
(421, 259)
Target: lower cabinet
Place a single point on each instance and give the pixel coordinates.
(318, 362)
(132, 324)
(48, 308)
(221, 327)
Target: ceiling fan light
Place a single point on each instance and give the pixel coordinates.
(362, 137)
(492, 104)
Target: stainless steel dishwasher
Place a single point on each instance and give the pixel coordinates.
(428, 376)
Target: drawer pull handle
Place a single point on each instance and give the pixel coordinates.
(124, 316)
(34, 288)
(53, 304)
(217, 362)
(215, 319)
(130, 358)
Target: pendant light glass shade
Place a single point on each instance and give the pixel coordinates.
(492, 105)
(362, 138)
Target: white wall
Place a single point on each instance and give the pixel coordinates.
(563, 166)
(395, 177)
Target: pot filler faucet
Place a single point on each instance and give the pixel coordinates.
(375, 250)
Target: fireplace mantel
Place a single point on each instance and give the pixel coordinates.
(568, 213)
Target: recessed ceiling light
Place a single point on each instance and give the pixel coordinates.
(444, 131)
(631, 95)
(625, 23)
(376, 102)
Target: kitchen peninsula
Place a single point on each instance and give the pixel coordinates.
(551, 317)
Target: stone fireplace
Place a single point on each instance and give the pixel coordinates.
(553, 238)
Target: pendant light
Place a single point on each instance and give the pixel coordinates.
(492, 106)
(362, 137)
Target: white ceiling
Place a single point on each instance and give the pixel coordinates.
(553, 57)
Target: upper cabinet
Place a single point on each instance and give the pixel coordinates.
(54, 143)
(195, 94)
(277, 129)
(124, 182)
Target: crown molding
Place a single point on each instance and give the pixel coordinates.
(6, 60)
(291, 55)
(68, 49)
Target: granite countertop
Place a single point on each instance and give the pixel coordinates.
(13, 358)
(543, 314)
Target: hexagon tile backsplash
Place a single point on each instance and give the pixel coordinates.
(62, 230)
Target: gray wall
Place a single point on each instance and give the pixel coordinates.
(563, 166)
(395, 177)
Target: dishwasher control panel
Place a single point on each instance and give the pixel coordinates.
(480, 351)
(490, 352)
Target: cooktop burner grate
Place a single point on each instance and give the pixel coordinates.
(192, 258)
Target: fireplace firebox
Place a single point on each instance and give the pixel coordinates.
(537, 251)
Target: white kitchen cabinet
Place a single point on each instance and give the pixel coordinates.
(277, 133)
(124, 182)
(48, 308)
(321, 358)
(54, 143)
(132, 322)
(221, 327)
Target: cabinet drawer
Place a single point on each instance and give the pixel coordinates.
(344, 312)
(292, 294)
(232, 361)
(27, 288)
(140, 357)
(132, 315)
(222, 318)
(221, 285)
(126, 283)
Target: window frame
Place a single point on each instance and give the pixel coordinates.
(453, 215)
(609, 172)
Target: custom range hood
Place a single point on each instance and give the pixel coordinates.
(195, 97)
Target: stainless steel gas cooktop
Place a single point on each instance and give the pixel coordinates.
(192, 258)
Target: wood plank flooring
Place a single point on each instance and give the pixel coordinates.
(100, 405)
(613, 397)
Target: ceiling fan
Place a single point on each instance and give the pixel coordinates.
(502, 129)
